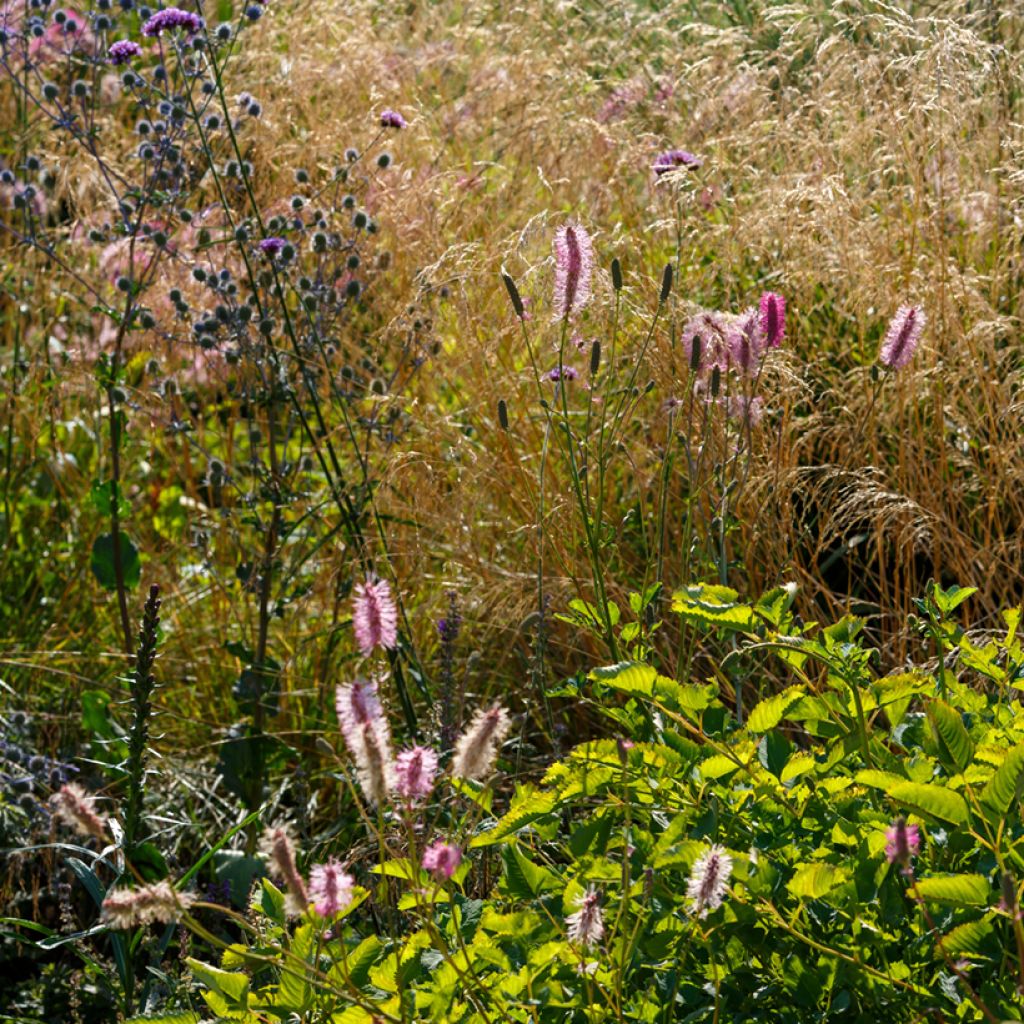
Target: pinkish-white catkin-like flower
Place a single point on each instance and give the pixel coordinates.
(415, 771)
(746, 341)
(772, 308)
(902, 337)
(441, 859)
(375, 767)
(903, 844)
(705, 341)
(586, 925)
(709, 880)
(330, 888)
(477, 748)
(574, 262)
(159, 903)
(280, 853)
(358, 705)
(76, 808)
(374, 617)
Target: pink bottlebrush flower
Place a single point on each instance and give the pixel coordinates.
(902, 337)
(159, 903)
(744, 409)
(574, 261)
(903, 843)
(705, 342)
(374, 617)
(586, 925)
(709, 880)
(330, 888)
(277, 848)
(123, 51)
(441, 859)
(358, 704)
(673, 159)
(415, 771)
(375, 766)
(367, 736)
(477, 748)
(76, 808)
(773, 318)
(746, 341)
(392, 119)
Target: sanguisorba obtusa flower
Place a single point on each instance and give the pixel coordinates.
(574, 263)
(902, 337)
(709, 880)
(374, 616)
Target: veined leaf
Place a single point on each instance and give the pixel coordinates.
(773, 709)
(710, 605)
(966, 890)
(969, 937)
(535, 806)
(956, 748)
(1003, 788)
(185, 1017)
(812, 881)
(934, 801)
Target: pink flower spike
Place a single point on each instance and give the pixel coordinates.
(773, 318)
(586, 926)
(574, 261)
(374, 617)
(902, 337)
(330, 888)
(904, 843)
(415, 770)
(442, 859)
(357, 705)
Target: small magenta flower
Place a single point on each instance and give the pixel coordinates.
(415, 771)
(441, 859)
(902, 337)
(392, 119)
(330, 888)
(904, 843)
(477, 748)
(574, 261)
(709, 880)
(563, 373)
(123, 51)
(773, 318)
(673, 159)
(271, 246)
(374, 617)
(586, 925)
(171, 18)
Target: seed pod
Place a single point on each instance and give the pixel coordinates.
(595, 358)
(716, 381)
(666, 282)
(513, 294)
(695, 354)
(503, 414)
(617, 275)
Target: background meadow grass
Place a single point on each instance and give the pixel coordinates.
(856, 156)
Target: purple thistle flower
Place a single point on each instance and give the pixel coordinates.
(586, 926)
(123, 51)
(271, 246)
(902, 337)
(415, 770)
(565, 373)
(442, 859)
(392, 119)
(171, 18)
(709, 880)
(904, 842)
(374, 617)
(330, 888)
(673, 159)
(773, 318)
(574, 260)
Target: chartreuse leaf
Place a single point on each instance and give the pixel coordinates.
(535, 806)
(185, 1017)
(925, 797)
(773, 709)
(711, 605)
(970, 937)
(956, 749)
(1003, 788)
(965, 890)
(812, 881)
(295, 992)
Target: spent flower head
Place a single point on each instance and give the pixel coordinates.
(585, 927)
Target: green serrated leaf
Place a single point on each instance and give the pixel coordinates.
(773, 709)
(812, 881)
(956, 749)
(965, 890)
(1003, 789)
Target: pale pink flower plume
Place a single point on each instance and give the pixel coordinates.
(586, 925)
(746, 341)
(902, 337)
(477, 748)
(709, 880)
(713, 330)
(330, 888)
(375, 766)
(279, 851)
(441, 859)
(367, 736)
(159, 903)
(415, 771)
(374, 617)
(76, 808)
(358, 704)
(574, 263)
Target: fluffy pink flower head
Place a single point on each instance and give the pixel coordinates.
(904, 843)
(709, 880)
(358, 705)
(76, 808)
(705, 341)
(374, 617)
(441, 859)
(902, 337)
(279, 851)
(477, 748)
(773, 318)
(415, 771)
(158, 903)
(746, 341)
(330, 888)
(574, 262)
(586, 925)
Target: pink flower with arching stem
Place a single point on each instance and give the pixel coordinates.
(330, 888)
(902, 337)
(773, 318)
(374, 617)
(415, 771)
(574, 262)
(441, 859)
